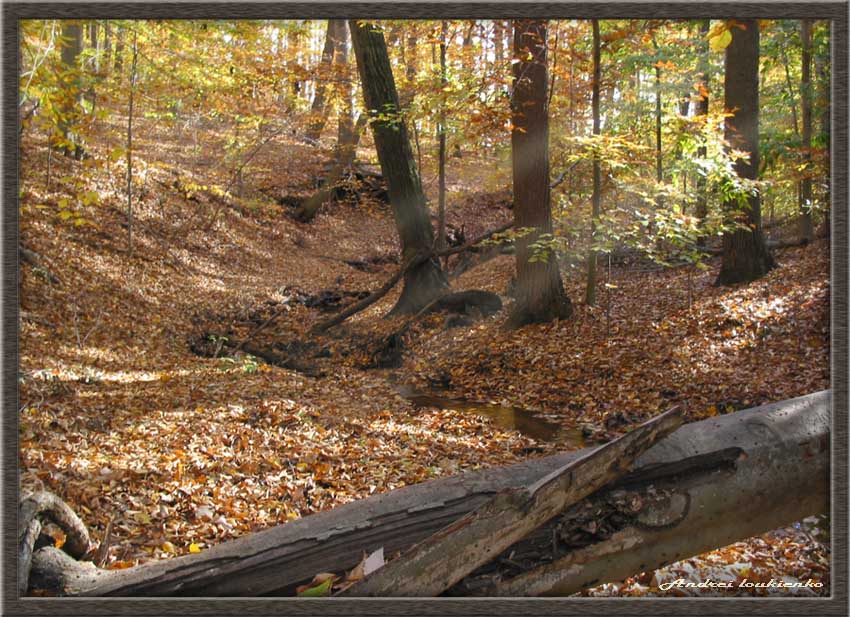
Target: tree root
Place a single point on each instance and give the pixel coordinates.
(32, 511)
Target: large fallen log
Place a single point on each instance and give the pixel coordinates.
(451, 554)
(708, 484)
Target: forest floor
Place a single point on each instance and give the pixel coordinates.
(122, 419)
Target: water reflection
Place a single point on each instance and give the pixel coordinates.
(508, 417)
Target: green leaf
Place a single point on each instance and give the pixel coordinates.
(320, 590)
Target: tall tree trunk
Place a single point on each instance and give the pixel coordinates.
(745, 255)
(540, 295)
(345, 126)
(806, 228)
(702, 110)
(466, 51)
(95, 45)
(107, 45)
(318, 115)
(69, 107)
(590, 295)
(441, 217)
(425, 282)
(498, 41)
(119, 53)
(824, 101)
(659, 169)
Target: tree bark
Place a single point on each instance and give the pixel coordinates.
(741, 474)
(119, 53)
(345, 123)
(426, 281)
(540, 292)
(701, 110)
(69, 110)
(441, 132)
(806, 227)
(318, 113)
(824, 104)
(745, 255)
(590, 295)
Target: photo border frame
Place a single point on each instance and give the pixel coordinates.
(836, 604)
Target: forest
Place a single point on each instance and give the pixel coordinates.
(506, 307)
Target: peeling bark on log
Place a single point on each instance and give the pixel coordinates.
(780, 474)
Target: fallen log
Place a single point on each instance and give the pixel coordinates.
(741, 474)
(432, 566)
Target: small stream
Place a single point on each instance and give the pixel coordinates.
(515, 418)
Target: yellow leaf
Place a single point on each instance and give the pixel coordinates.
(168, 547)
(194, 548)
(720, 41)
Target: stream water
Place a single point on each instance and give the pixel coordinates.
(515, 418)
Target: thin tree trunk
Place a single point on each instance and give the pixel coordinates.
(745, 254)
(427, 281)
(69, 112)
(318, 114)
(441, 217)
(702, 111)
(119, 53)
(540, 295)
(345, 127)
(822, 70)
(130, 149)
(806, 227)
(590, 296)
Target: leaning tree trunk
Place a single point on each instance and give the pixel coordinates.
(540, 295)
(745, 255)
(426, 281)
(708, 484)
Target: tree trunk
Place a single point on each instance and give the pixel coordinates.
(745, 255)
(659, 168)
(345, 124)
(441, 197)
(427, 281)
(702, 110)
(824, 98)
(346, 152)
(69, 107)
(540, 295)
(806, 227)
(119, 53)
(318, 113)
(741, 474)
(590, 296)
(498, 41)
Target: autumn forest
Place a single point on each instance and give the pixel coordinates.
(424, 308)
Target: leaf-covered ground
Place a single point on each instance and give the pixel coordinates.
(126, 423)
